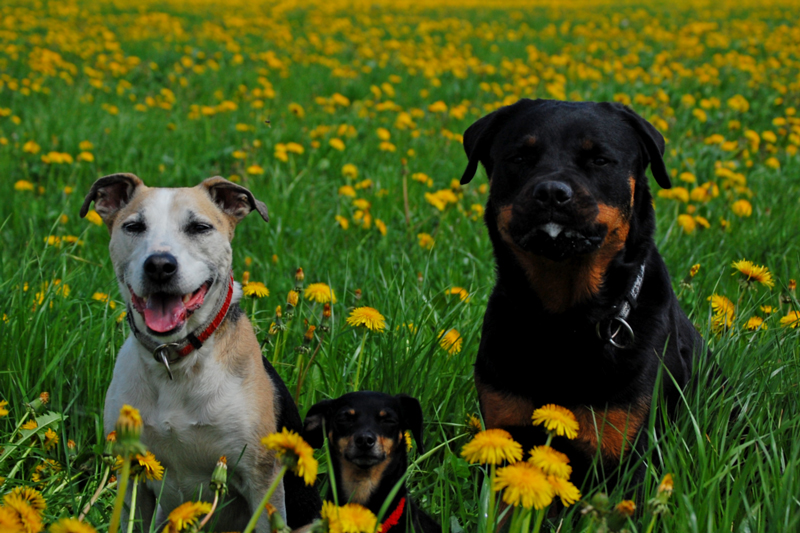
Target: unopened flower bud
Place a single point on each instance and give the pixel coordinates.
(309, 335)
(299, 277)
(108, 449)
(219, 478)
(325, 323)
(245, 277)
(276, 522)
(129, 431)
(38, 404)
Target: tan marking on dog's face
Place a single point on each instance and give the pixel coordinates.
(587, 144)
(632, 184)
(611, 430)
(530, 140)
(359, 483)
(503, 410)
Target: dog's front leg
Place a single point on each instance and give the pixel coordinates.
(145, 507)
(257, 491)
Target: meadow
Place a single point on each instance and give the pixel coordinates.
(346, 119)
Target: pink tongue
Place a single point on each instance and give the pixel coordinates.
(164, 312)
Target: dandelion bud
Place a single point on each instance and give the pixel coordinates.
(108, 449)
(619, 515)
(626, 508)
(276, 522)
(666, 486)
(299, 276)
(600, 501)
(694, 270)
(248, 261)
(358, 294)
(245, 277)
(278, 312)
(72, 448)
(291, 298)
(36, 405)
(129, 430)
(219, 478)
(324, 325)
(792, 285)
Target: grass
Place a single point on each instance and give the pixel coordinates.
(737, 473)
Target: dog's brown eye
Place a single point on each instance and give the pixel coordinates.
(134, 227)
(600, 161)
(517, 159)
(200, 227)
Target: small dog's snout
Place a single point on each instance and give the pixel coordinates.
(552, 193)
(365, 441)
(161, 267)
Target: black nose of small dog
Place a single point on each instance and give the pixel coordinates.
(552, 193)
(161, 267)
(365, 441)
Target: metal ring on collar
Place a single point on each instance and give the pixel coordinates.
(622, 325)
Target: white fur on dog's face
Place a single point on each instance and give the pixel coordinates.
(187, 224)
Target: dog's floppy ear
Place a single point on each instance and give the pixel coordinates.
(110, 194)
(234, 200)
(412, 418)
(480, 135)
(653, 142)
(313, 432)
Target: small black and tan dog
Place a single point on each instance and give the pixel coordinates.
(366, 435)
(583, 313)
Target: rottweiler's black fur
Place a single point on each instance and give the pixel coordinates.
(366, 437)
(571, 221)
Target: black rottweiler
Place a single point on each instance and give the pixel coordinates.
(366, 435)
(583, 313)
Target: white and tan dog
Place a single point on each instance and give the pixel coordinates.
(192, 364)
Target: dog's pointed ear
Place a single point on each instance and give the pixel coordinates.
(110, 194)
(653, 142)
(234, 200)
(480, 135)
(313, 431)
(412, 418)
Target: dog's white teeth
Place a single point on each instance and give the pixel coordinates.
(552, 229)
(186, 298)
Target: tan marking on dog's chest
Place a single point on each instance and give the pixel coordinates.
(502, 410)
(359, 483)
(611, 430)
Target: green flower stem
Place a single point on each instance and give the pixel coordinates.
(278, 346)
(260, 509)
(652, 524)
(132, 517)
(516, 518)
(525, 526)
(539, 520)
(21, 460)
(360, 358)
(207, 517)
(492, 498)
(120, 500)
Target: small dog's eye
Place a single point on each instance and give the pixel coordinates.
(600, 161)
(134, 227)
(517, 159)
(200, 227)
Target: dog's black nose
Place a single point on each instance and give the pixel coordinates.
(365, 441)
(552, 193)
(161, 267)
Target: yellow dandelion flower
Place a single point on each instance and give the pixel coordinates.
(754, 272)
(30, 424)
(666, 485)
(694, 270)
(767, 309)
(30, 495)
(31, 147)
(461, 292)
(473, 425)
(297, 110)
(347, 190)
(687, 222)
(557, 419)
(792, 320)
(23, 185)
(742, 208)
(294, 452)
(626, 508)
(407, 438)
(524, 484)
(71, 525)
(492, 446)
(185, 516)
(350, 171)
(343, 222)
(3, 410)
(754, 323)
(368, 317)
(255, 170)
(256, 289)
(9, 521)
(337, 144)
(451, 341)
(152, 468)
(350, 518)
(552, 462)
(381, 225)
(425, 240)
(85, 146)
(721, 305)
(28, 516)
(565, 490)
(320, 293)
(50, 439)
(93, 217)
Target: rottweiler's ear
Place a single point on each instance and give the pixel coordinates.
(412, 418)
(313, 432)
(653, 143)
(234, 200)
(480, 135)
(110, 194)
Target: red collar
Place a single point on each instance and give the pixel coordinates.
(173, 351)
(394, 518)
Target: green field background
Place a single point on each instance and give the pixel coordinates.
(176, 92)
